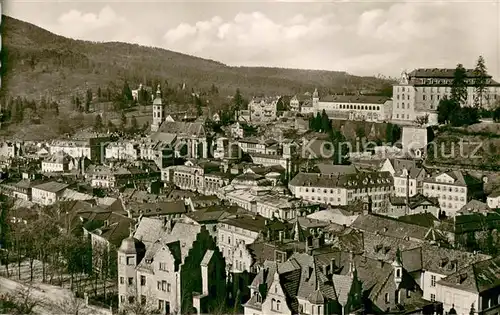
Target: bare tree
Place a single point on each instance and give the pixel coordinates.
(22, 301)
(422, 120)
(71, 305)
(139, 305)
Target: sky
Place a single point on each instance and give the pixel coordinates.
(360, 37)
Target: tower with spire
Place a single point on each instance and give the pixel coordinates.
(315, 100)
(158, 111)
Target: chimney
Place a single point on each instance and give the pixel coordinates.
(332, 265)
(309, 244)
(281, 236)
(106, 223)
(204, 279)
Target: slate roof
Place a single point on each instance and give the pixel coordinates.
(439, 73)
(251, 222)
(365, 99)
(349, 181)
(389, 226)
(414, 201)
(425, 219)
(474, 206)
(157, 208)
(54, 187)
(183, 128)
(336, 169)
(477, 278)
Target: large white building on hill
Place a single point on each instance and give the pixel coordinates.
(418, 93)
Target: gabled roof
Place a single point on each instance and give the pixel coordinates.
(477, 278)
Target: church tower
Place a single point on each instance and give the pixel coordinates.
(315, 99)
(157, 111)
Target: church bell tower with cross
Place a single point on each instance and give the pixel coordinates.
(158, 111)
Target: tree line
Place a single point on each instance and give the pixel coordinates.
(453, 110)
(62, 251)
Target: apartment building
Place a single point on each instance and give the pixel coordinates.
(58, 162)
(297, 101)
(406, 175)
(453, 189)
(473, 289)
(74, 148)
(343, 189)
(238, 229)
(263, 108)
(203, 177)
(418, 93)
(47, 193)
(335, 283)
(122, 150)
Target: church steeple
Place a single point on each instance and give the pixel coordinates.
(158, 111)
(158, 91)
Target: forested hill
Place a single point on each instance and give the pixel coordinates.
(36, 63)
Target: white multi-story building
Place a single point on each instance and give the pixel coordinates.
(235, 230)
(472, 289)
(406, 175)
(418, 93)
(452, 189)
(340, 190)
(47, 193)
(297, 101)
(9, 149)
(493, 200)
(353, 107)
(122, 150)
(59, 162)
(204, 178)
(74, 148)
(263, 108)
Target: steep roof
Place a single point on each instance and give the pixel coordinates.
(183, 128)
(478, 277)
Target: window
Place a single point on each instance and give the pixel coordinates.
(160, 305)
(122, 280)
(387, 298)
(130, 281)
(163, 266)
(143, 299)
(433, 281)
(122, 298)
(278, 304)
(131, 299)
(433, 297)
(143, 280)
(164, 285)
(423, 97)
(130, 260)
(408, 294)
(169, 287)
(158, 285)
